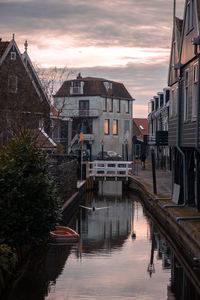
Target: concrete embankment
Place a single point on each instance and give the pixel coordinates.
(183, 236)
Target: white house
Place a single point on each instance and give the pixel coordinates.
(103, 108)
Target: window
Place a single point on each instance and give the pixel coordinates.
(190, 13)
(108, 85)
(126, 126)
(127, 107)
(12, 84)
(105, 104)
(167, 96)
(76, 87)
(118, 106)
(111, 105)
(13, 55)
(84, 108)
(156, 103)
(161, 100)
(152, 106)
(172, 103)
(106, 126)
(115, 127)
(186, 96)
(195, 90)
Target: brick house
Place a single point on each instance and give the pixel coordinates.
(23, 102)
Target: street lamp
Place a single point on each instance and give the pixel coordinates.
(102, 146)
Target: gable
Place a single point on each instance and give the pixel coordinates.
(190, 30)
(26, 96)
(175, 49)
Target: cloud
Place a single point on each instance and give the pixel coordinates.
(124, 40)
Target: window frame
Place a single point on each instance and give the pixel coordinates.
(110, 108)
(105, 105)
(127, 106)
(116, 127)
(118, 106)
(195, 90)
(107, 132)
(13, 55)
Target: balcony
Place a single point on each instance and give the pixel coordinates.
(76, 113)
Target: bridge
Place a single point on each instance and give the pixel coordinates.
(110, 170)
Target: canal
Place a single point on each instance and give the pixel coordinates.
(120, 255)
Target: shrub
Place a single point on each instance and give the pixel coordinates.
(28, 206)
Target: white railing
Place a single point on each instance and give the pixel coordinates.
(105, 169)
(81, 113)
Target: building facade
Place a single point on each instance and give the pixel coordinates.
(103, 108)
(184, 82)
(158, 118)
(23, 102)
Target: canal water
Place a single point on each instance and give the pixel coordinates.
(120, 256)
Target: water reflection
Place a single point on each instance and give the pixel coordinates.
(121, 255)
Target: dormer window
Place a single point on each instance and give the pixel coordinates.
(13, 55)
(108, 85)
(76, 87)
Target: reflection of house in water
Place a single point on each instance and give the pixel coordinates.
(106, 228)
(163, 251)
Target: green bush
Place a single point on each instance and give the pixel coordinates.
(28, 206)
(8, 258)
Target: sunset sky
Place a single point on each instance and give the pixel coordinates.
(123, 40)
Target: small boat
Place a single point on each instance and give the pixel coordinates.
(64, 234)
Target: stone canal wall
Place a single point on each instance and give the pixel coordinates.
(183, 238)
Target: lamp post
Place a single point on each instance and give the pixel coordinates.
(102, 149)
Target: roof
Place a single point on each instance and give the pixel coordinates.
(94, 86)
(3, 47)
(142, 125)
(43, 140)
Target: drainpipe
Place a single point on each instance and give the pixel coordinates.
(196, 42)
(177, 68)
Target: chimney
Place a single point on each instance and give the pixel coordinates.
(79, 76)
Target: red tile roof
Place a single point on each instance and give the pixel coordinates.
(142, 125)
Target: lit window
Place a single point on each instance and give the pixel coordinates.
(106, 126)
(12, 84)
(115, 127)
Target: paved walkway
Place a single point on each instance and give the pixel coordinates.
(145, 177)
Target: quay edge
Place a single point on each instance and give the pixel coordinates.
(183, 237)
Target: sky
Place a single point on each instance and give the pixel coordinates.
(126, 41)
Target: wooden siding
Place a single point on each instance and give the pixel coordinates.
(188, 127)
(172, 131)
